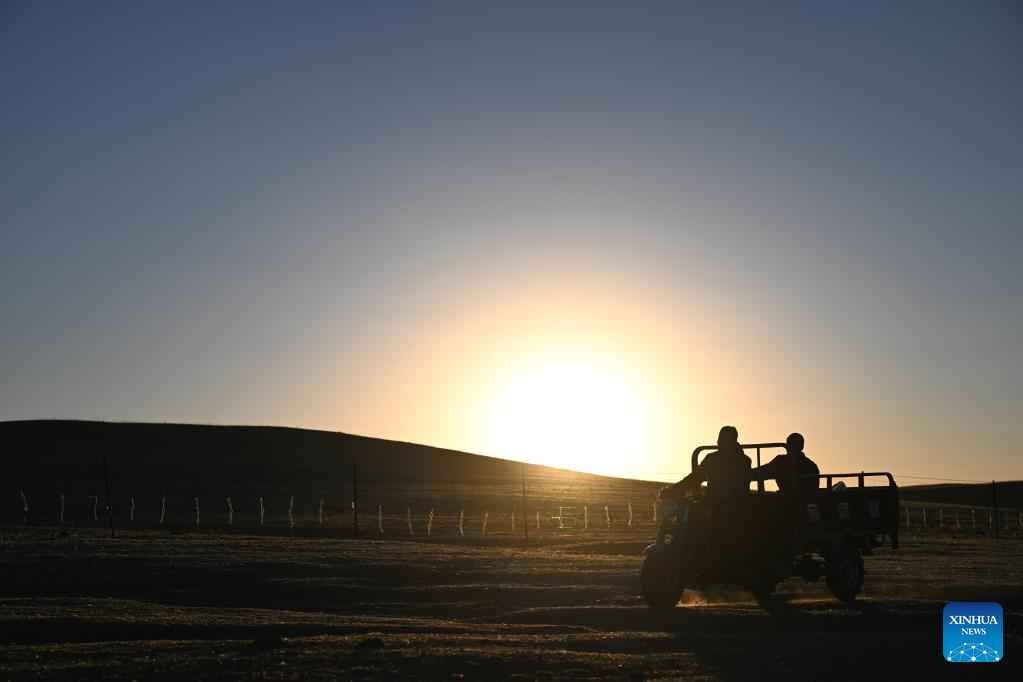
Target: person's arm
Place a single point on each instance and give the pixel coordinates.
(670, 490)
(767, 471)
(693, 480)
(700, 474)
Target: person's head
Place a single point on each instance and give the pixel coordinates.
(794, 443)
(728, 437)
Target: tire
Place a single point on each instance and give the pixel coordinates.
(658, 582)
(844, 572)
(762, 586)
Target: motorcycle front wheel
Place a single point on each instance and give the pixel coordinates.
(659, 582)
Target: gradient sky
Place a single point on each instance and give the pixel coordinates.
(376, 217)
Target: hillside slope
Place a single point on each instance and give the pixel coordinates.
(150, 461)
(1010, 494)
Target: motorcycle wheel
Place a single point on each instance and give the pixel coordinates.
(762, 586)
(659, 584)
(844, 572)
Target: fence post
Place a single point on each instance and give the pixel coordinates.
(924, 510)
(630, 514)
(106, 481)
(973, 518)
(941, 518)
(525, 524)
(380, 518)
(907, 517)
(355, 500)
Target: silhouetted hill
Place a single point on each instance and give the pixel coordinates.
(47, 457)
(1010, 494)
(206, 452)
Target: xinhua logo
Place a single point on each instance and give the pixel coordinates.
(972, 632)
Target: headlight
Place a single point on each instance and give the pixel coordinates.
(668, 508)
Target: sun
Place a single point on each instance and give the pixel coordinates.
(575, 416)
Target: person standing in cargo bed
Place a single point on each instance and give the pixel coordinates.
(781, 470)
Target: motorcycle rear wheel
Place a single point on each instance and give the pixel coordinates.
(844, 572)
(762, 586)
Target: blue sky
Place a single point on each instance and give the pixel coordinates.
(304, 213)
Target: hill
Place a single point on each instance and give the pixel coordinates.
(1010, 494)
(148, 462)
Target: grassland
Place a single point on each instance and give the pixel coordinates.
(214, 606)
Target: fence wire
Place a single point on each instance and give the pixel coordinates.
(505, 519)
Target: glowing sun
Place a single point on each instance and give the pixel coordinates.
(572, 416)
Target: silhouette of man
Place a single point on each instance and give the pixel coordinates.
(780, 468)
(726, 470)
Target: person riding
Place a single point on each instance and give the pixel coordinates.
(780, 468)
(726, 470)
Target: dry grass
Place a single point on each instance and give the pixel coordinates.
(152, 604)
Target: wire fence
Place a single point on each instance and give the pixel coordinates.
(442, 519)
(344, 517)
(555, 503)
(961, 518)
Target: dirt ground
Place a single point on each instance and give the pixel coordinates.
(156, 605)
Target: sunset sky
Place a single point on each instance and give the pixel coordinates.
(582, 234)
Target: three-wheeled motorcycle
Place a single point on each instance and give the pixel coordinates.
(757, 540)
